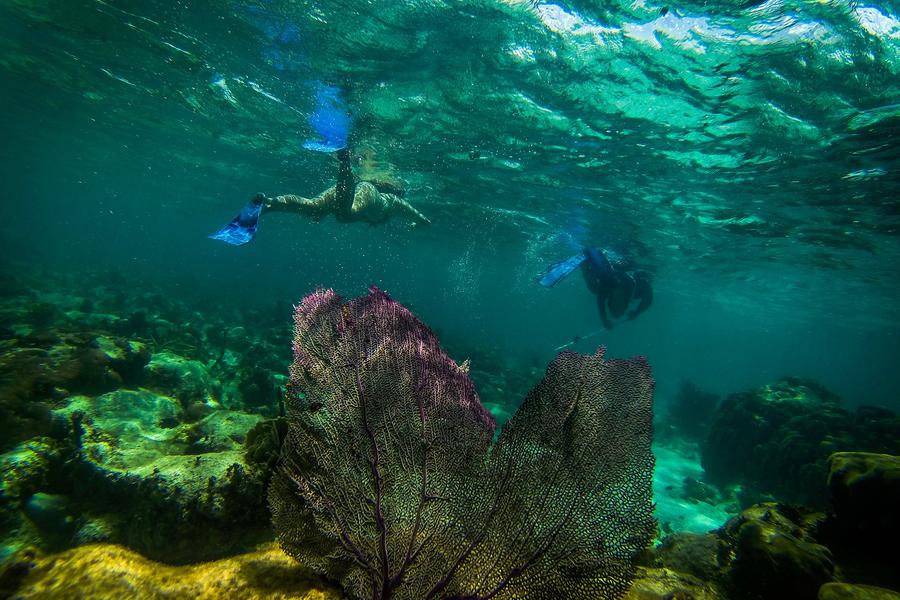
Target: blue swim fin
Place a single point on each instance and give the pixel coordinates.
(242, 228)
(558, 271)
(330, 120)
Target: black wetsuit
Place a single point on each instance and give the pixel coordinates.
(616, 285)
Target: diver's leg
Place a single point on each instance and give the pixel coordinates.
(317, 207)
(345, 189)
(601, 307)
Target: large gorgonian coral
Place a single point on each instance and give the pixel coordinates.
(391, 485)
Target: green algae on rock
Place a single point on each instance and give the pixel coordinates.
(865, 489)
(106, 571)
(669, 584)
(24, 472)
(185, 379)
(775, 553)
(863, 531)
(850, 591)
(176, 491)
(38, 372)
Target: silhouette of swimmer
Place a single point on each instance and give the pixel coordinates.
(350, 199)
(621, 290)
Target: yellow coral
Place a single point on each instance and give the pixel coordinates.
(101, 571)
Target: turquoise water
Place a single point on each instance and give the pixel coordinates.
(747, 154)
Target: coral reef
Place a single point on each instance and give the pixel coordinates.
(38, 370)
(178, 491)
(776, 440)
(391, 485)
(774, 550)
(138, 401)
(704, 556)
(187, 380)
(133, 417)
(109, 571)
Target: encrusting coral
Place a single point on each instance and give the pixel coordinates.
(110, 571)
(390, 482)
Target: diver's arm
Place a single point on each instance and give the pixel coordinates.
(644, 291)
(319, 206)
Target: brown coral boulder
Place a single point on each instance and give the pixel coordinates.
(700, 555)
(107, 571)
(774, 554)
(865, 492)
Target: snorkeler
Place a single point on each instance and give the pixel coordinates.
(348, 200)
(621, 290)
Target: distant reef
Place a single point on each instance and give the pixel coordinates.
(775, 440)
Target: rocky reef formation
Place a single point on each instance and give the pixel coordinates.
(391, 483)
(122, 419)
(776, 440)
(777, 550)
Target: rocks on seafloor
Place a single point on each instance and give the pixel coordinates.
(106, 571)
(775, 553)
(848, 591)
(187, 380)
(702, 555)
(865, 490)
(777, 439)
(666, 584)
(38, 371)
(177, 491)
(865, 524)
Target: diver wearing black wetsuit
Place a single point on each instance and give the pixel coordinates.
(617, 285)
(611, 277)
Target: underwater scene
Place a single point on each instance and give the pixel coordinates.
(450, 299)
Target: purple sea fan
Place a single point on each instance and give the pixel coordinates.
(390, 483)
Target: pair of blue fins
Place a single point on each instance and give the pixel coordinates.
(243, 227)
